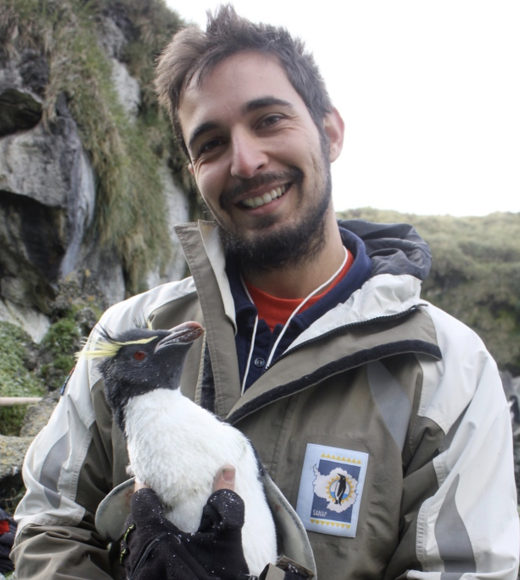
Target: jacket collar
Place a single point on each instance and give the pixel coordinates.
(402, 262)
(380, 319)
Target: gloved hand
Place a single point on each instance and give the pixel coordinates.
(153, 548)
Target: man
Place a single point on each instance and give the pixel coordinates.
(381, 418)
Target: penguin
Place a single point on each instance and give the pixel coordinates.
(341, 486)
(174, 446)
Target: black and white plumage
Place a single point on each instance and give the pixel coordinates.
(175, 446)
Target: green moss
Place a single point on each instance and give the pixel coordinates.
(20, 375)
(16, 380)
(57, 348)
(61, 336)
(11, 419)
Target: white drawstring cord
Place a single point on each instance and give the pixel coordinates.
(252, 347)
(286, 325)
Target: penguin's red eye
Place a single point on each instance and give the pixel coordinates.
(139, 355)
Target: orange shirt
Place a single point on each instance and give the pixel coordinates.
(278, 310)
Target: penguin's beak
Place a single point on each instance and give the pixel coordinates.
(185, 333)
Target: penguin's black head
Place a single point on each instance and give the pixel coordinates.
(141, 360)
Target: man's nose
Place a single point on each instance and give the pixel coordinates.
(247, 155)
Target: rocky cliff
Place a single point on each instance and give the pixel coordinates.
(90, 179)
(91, 182)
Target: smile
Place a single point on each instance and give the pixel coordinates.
(265, 198)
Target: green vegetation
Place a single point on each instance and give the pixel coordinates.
(475, 273)
(16, 380)
(126, 154)
(59, 345)
(74, 318)
(30, 370)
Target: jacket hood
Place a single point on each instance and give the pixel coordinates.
(393, 248)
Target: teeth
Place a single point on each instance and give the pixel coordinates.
(265, 198)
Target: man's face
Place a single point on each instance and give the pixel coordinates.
(261, 164)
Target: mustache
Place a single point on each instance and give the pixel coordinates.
(245, 186)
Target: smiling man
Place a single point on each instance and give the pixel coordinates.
(263, 168)
(380, 418)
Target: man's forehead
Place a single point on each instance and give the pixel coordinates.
(239, 82)
(253, 57)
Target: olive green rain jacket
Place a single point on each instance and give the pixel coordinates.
(384, 424)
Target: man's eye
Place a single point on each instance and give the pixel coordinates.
(209, 146)
(271, 120)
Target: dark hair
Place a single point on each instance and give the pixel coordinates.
(194, 53)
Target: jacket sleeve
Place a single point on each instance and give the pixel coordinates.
(459, 512)
(69, 468)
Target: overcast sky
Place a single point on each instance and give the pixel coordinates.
(429, 91)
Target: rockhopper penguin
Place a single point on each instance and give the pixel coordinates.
(175, 446)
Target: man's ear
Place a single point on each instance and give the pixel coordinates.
(335, 128)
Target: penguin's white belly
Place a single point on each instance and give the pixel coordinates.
(176, 448)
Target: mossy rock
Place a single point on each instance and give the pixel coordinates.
(126, 154)
(16, 378)
(57, 350)
(29, 370)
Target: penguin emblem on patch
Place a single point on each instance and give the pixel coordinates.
(330, 492)
(338, 488)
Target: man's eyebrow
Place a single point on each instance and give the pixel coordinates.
(262, 102)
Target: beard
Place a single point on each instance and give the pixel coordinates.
(287, 246)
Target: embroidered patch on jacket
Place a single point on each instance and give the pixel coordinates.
(331, 486)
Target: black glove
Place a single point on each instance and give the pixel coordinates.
(155, 549)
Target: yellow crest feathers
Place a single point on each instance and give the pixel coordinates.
(109, 348)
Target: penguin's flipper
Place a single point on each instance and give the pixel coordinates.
(113, 510)
(296, 545)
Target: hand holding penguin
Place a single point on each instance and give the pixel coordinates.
(154, 547)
